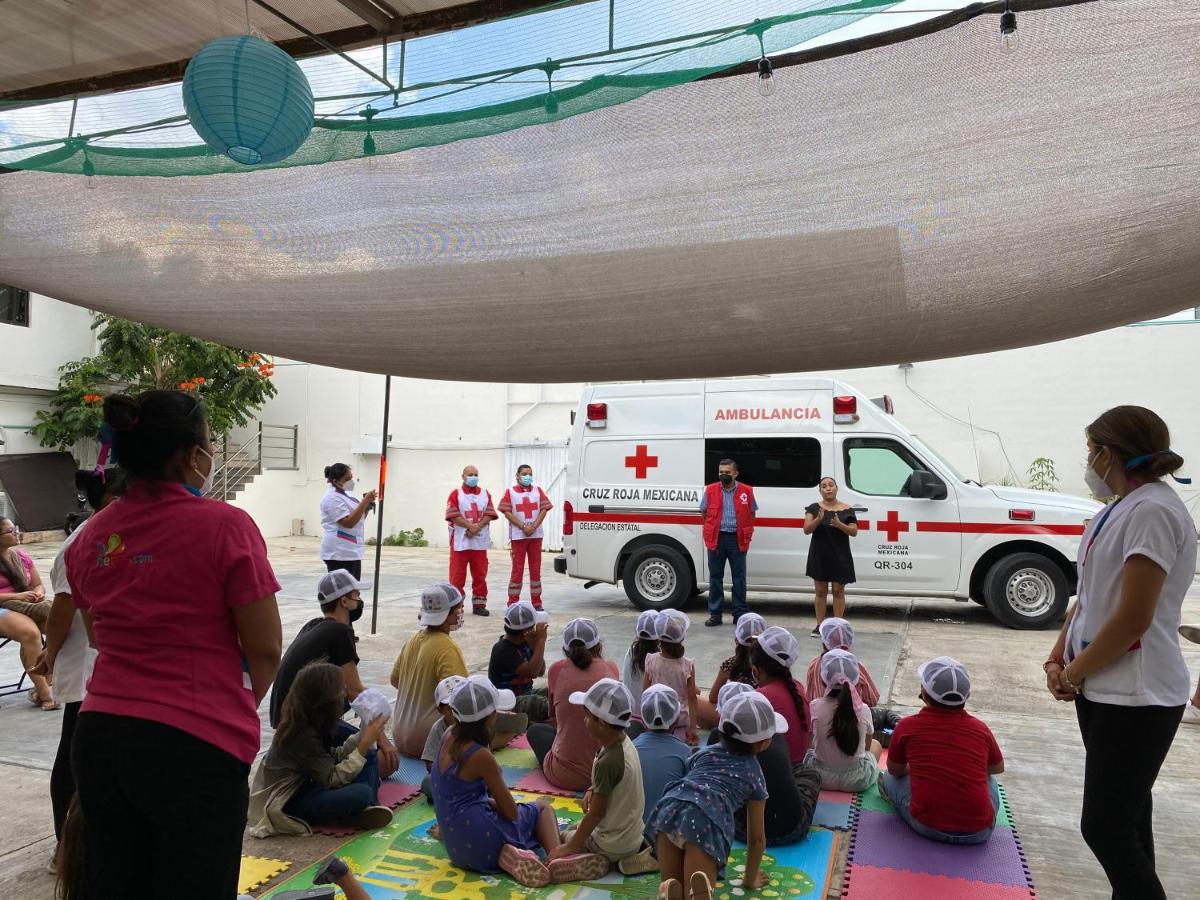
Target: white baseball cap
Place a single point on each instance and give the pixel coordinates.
(945, 680)
(337, 584)
(645, 628)
(836, 634)
(660, 707)
(672, 626)
(583, 630)
(477, 698)
(436, 602)
(445, 687)
(839, 663)
(749, 626)
(752, 717)
(522, 615)
(779, 644)
(608, 700)
(731, 689)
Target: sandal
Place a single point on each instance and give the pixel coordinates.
(45, 705)
(701, 886)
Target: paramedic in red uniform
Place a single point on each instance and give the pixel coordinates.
(470, 512)
(525, 505)
(728, 507)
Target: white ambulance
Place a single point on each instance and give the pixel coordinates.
(641, 454)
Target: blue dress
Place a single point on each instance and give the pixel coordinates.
(701, 805)
(472, 830)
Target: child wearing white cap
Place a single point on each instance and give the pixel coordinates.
(670, 667)
(844, 754)
(735, 668)
(663, 756)
(694, 820)
(838, 634)
(611, 828)
(773, 655)
(441, 697)
(519, 657)
(942, 761)
(483, 828)
(633, 666)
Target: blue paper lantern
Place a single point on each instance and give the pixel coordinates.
(248, 99)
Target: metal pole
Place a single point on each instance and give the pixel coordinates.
(387, 409)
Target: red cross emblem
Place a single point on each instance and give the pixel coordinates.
(527, 507)
(892, 526)
(472, 514)
(641, 462)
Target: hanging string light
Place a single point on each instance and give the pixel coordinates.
(1008, 28)
(551, 102)
(766, 72)
(370, 162)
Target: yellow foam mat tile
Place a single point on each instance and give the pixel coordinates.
(257, 871)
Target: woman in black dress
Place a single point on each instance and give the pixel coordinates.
(831, 524)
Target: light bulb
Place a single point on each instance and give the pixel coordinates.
(1008, 30)
(369, 161)
(766, 78)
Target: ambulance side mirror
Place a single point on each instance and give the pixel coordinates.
(924, 485)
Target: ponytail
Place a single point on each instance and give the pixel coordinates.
(336, 472)
(741, 670)
(844, 727)
(638, 651)
(581, 656)
(774, 669)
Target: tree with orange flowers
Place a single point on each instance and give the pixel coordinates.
(233, 383)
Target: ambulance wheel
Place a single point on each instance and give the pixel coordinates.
(1026, 590)
(657, 577)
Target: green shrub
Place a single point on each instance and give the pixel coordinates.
(414, 538)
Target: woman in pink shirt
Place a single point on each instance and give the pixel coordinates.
(564, 747)
(181, 599)
(23, 608)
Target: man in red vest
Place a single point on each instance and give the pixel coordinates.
(728, 507)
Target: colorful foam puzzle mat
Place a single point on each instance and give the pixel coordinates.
(258, 870)
(403, 862)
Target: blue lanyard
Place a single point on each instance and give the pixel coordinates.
(1100, 523)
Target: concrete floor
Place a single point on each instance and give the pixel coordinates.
(1038, 736)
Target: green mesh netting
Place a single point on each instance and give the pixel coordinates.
(536, 69)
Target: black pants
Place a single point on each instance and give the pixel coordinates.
(353, 566)
(1125, 747)
(62, 780)
(541, 739)
(173, 801)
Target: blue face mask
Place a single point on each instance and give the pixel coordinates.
(472, 481)
(526, 480)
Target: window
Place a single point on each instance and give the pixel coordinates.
(14, 305)
(879, 466)
(788, 462)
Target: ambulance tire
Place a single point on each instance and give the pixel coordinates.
(657, 577)
(1026, 590)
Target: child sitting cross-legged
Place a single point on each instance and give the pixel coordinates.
(941, 762)
(670, 667)
(519, 657)
(694, 820)
(838, 634)
(483, 827)
(611, 828)
(736, 669)
(843, 753)
(663, 756)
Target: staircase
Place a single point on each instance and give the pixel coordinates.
(238, 461)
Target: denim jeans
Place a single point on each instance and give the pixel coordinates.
(899, 791)
(727, 549)
(319, 805)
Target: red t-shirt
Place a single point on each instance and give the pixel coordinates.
(948, 752)
(161, 571)
(799, 733)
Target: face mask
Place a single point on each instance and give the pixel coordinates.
(726, 478)
(1096, 483)
(356, 613)
(526, 480)
(348, 485)
(472, 481)
(208, 479)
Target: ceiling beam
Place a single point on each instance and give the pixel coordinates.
(369, 13)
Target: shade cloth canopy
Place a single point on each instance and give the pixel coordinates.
(931, 198)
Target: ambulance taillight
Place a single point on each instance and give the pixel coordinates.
(597, 415)
(568, 518)
(845, 410)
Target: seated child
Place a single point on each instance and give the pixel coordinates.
(483, 828)
(633, 667)
(520, 656)
(838, 634)
(670, 667)
(773, 655)
(663, 756)
(694, 819)
(441, 696)
(736, 668)
(942, 761)
(843, 753)
(307, 777)
(611, 828)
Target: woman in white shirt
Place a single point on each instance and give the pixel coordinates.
(1118, 655)
(343, 525)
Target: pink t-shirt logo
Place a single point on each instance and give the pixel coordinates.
(108, 549)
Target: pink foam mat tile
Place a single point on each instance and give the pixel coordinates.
(535, 783)
(392, 794)
(874, 882)
(520, 742)
(837, 797)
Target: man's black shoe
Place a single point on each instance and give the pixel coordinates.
(711, 621)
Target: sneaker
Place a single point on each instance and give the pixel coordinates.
(578, 867)
(816, 632)
(525, 866)
(1191, 714)
(670, 890)
(701, 886)
(331, 871)
(1191, 632)
(480, 611)
(712, 621)
(641, 862)
(371, 818)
